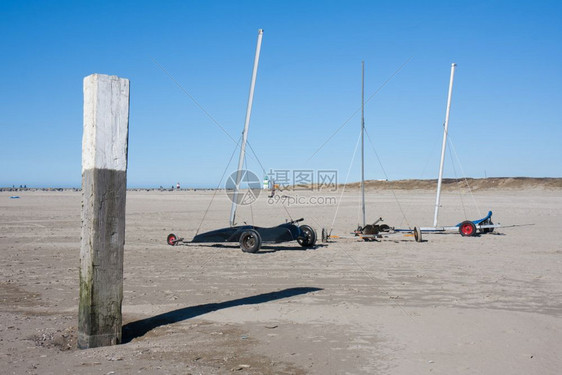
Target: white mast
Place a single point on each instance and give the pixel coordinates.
(363, 140)
(245, 132)
(444, 145)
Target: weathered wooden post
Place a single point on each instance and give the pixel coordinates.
(104, 188)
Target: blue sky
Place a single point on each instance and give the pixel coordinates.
(506, 116)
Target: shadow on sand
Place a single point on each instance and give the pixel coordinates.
(270, 248)
(140, 327)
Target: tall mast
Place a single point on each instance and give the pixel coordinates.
(245, 132)
(437, 198)
(363, 140)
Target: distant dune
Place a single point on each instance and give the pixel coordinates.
(476, 184)
(492, 183)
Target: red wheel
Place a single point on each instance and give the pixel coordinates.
(467, 229)
(172, 239)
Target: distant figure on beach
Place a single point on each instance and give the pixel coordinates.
(273, 187)
(178, 186)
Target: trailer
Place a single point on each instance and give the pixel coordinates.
(372, 232)
(467, 228)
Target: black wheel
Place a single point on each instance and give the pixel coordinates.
(487, 230)
(384, 228)
(467, 229)
(371, 230)
(309, 238)
(250, 241)
(172, 239)
(417, 234)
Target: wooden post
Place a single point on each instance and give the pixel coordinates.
(104, 188)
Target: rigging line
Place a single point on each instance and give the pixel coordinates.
(359, 212)
(359, 109)
(212, 256)
(287, 211)
(345, 184)
(429, 155)
(249, 190)
(193, 99)
(464, 175)
(203, 109)
(316, 221)
(256, 156)
(196, 102)
(427, 160)
(265, 173)
(275, 202)
(458, 180)
(282, 205)
(386, 176)
(422, 173)
(217, 189)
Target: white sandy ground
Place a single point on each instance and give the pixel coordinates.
(451, 305)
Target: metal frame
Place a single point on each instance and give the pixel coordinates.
(245, 132)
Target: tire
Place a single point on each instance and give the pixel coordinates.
(384, 228)
(250, 241)
(171, 240)
(417, 234)
(488, 230)
(310, 236)
(467, 229)
(371, 230)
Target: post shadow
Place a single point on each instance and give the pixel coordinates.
(139, 328)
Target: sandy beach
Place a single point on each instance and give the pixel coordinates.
(490, 304)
